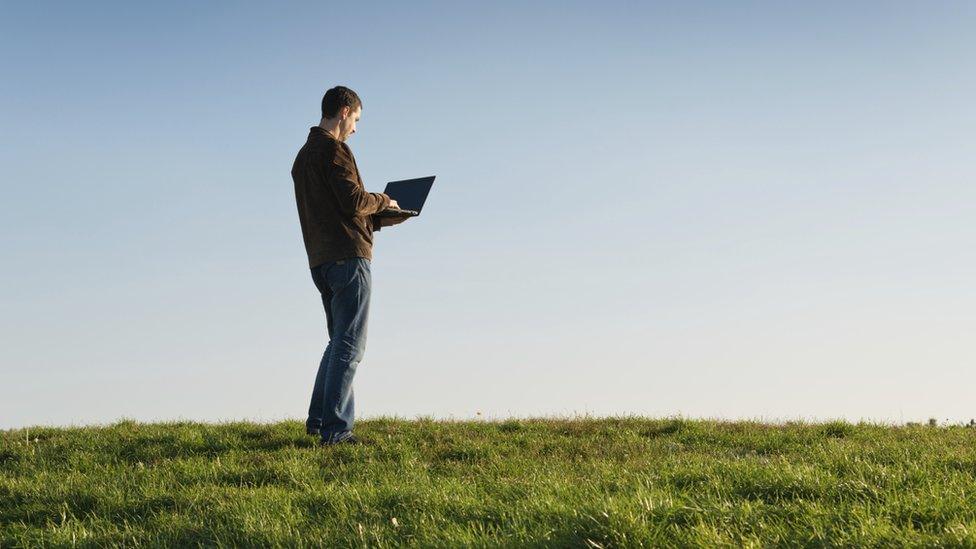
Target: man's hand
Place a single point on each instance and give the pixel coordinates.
(387, 221)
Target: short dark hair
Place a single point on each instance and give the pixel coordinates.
(338, 97)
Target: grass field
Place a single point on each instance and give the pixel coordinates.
(616, 482)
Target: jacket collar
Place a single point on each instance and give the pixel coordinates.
(318, 130)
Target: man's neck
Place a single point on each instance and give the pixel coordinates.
(331, 127)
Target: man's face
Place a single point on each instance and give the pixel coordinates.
(347, 123)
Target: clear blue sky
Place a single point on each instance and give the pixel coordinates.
(735, 210)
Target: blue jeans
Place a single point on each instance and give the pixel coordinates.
(345, 287)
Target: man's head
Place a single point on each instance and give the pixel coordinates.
(341, 109)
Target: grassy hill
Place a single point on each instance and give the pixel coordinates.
(618, 482)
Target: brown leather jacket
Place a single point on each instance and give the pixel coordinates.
(335, 211)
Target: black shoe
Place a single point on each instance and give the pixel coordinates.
(312, 431)
(351, 439)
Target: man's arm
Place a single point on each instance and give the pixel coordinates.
(352, 197)
(387, 221)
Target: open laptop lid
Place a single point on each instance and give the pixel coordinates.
(410, 194)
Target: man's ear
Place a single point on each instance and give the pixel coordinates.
(344, 112)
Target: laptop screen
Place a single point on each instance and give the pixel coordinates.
(410, 194)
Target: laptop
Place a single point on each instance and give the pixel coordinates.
(410, 194)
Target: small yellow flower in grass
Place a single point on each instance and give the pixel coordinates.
(394, 521)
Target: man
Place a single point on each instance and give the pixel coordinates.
(338, 221)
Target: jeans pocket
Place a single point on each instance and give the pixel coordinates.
(337, 274)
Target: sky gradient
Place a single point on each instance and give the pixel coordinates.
(749, 210)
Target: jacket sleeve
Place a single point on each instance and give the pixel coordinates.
(380, 222)
(350, 194)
